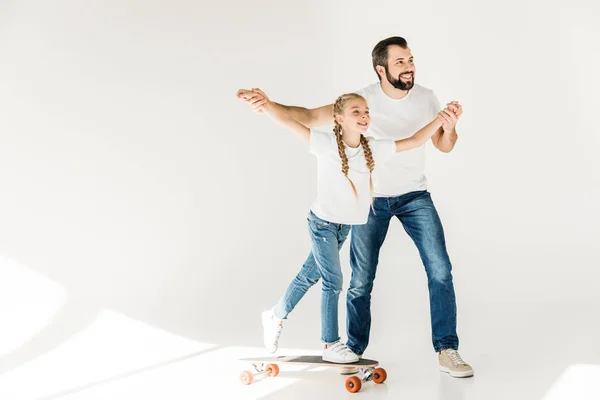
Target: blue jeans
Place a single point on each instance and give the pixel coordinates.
(322, 262)
(420, 220)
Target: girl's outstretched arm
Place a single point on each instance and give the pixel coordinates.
(421, 137)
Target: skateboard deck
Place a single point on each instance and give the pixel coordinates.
(365, 369)
(310, 360)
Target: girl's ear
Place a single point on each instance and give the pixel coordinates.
(338, 118)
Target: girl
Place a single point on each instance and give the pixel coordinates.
(345, 164)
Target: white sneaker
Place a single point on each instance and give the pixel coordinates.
(350, 370)
(272, 327)
(339, 353)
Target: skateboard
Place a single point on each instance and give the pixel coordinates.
(268, 367)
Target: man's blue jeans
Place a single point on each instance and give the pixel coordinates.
(420, 219)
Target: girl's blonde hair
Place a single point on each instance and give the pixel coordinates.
(338, 108)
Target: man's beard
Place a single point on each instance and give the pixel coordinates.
(398, 84)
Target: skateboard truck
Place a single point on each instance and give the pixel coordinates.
(354, 383)
(260, 371)
(366, 374)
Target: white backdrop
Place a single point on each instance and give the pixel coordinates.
(133, 178)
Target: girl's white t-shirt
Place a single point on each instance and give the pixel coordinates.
(335, 200)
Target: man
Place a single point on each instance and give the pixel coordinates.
(398, 108)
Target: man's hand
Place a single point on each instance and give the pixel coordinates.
(255, 98)
(456, 108)
(450, 115)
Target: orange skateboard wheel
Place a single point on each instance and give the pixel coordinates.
(272, 369)
(246, 377)
(353, 384)
(379, 375)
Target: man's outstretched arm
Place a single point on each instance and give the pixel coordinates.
(309, 117)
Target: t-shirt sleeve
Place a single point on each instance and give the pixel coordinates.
(320, 142)
(361, 92)
(382, 149)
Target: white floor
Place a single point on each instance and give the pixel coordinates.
(544, 351)
(119, 358)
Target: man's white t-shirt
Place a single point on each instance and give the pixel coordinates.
(398, 119)
(335, 200)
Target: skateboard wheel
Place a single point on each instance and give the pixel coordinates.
(272, 369)
(353, 384)
(379, 375)
(246, 377)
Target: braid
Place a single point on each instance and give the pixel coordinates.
(337, 130)
(369, 158)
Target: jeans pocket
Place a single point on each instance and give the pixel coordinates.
(322, 224)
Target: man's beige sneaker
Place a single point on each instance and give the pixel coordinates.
(451, 363)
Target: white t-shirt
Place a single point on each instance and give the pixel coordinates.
(398, 119)
(335, 200)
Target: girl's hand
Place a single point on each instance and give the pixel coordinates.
(448, 119)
